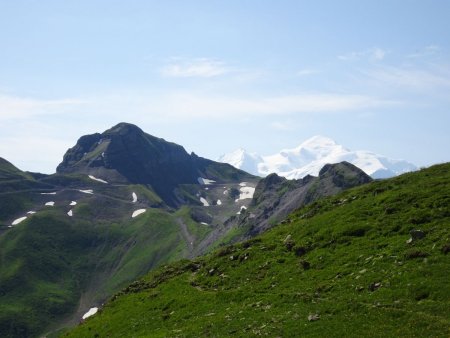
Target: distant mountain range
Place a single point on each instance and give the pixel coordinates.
(310, 157)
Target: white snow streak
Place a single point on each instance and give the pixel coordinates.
(137, 212)
(17, 221)
(97, 179)
(204, 201)
(205, 181)
(92, 311)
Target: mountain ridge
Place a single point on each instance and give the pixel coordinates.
(311, 155)
(126, 154)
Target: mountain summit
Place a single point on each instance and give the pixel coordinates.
(126, 154)
(311, 155)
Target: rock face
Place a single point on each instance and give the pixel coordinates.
(276, 197)
(125, 154)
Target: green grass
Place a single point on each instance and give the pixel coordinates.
(49, 261)
(344, 258)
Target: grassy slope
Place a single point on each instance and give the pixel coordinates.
(269, 286)
(49, 261)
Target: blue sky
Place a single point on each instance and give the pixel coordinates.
(217, 75)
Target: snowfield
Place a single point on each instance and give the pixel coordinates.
(97, 179)
(88, 191)
(17, 221)
(246, 192)
(205, 181)
(134, 197)
(70, 213)
(204, 201)
(92, 311)
(138, 212)
(240, 210)
(311, 156)
(48, 193)
(50, 204)
(73, 203)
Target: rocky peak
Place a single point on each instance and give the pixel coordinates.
(126, 154)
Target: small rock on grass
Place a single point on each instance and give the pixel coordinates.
(313, 317)
(415, 235)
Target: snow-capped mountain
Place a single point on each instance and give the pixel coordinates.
(310, 156)
(242, 159)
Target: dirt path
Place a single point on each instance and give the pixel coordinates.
(212, 237)
(188, 238)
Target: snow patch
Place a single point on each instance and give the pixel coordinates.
(97, 179)
(134, 197)
(204, 201)
(17, 221)
(50, 204)
(205, 181)
(138, 212)
(31, 212)
(92, 311)
(219, 202)
(73, 203)
(243, 184)
(204, 223)
(246, 192)
(242, 208)
(88, 191)
(70, 213)
(48, 193)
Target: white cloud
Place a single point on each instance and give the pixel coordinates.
(192, 105)
(410, 77)
(426, 51)
(202, 67)
(23, 107)
(373, 54)
(377, 54)
(306, 72)
(283, 126)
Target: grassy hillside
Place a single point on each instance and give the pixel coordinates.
(340, 267)
(50, 262)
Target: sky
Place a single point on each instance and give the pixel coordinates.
(214, 76)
